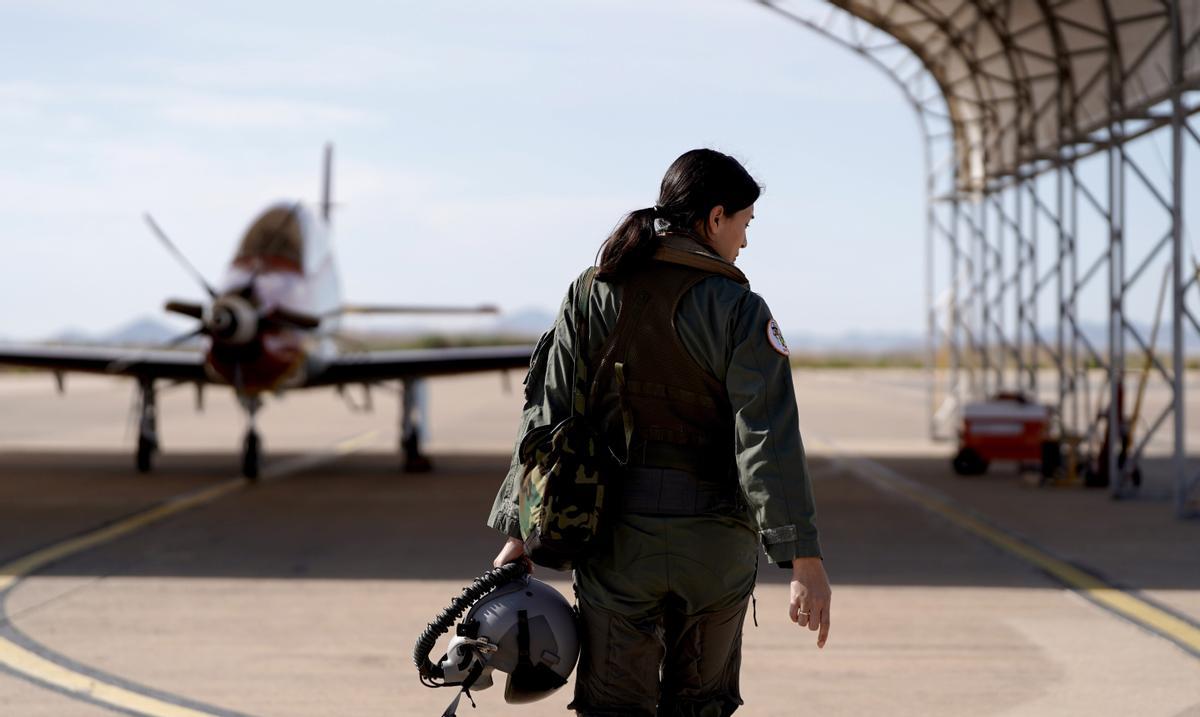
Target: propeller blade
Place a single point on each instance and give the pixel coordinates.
(187, 308)
(295, 319)
(200, 331)
(162, 237)
(123, 364)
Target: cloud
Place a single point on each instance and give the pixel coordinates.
(328, 68)
(74, 108)
(226, 112)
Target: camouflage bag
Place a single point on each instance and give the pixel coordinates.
(568, 473)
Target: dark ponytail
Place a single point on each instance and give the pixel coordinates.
(694, 183)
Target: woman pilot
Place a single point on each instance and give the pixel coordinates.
(715, 467)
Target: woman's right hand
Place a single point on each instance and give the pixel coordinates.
(513, 551)
(810, 596)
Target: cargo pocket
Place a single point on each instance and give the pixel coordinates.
(618, 664)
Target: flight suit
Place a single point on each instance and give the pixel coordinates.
(673, 589)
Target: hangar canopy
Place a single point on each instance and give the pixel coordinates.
(1023, 78)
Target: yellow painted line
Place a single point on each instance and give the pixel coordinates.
(21, 660)
(1129, 606)
(14, 571)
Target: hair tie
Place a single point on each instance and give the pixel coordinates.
(661, 224)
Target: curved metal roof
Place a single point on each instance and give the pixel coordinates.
(1025, 79)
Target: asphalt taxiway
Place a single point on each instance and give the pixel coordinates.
(303, 595)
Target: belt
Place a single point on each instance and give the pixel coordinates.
(667, 491)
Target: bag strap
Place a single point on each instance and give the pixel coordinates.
(634, 300)
(579, 368)
(584, 388)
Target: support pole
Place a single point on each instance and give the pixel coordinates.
(955, 315)
(1179, 467)
(984, 299)
(1078, 420)
(1116, 312)
(1019, 278)
(1031, 310)
(1002, 284)
(931, 342)
(1060, 288)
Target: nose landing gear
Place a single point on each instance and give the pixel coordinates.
(251, 444)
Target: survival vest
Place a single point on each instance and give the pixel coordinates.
(649, 393)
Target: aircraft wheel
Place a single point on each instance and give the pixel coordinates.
(251, 455)
(968, 462)
(1094, 478)
(1051, 458)
(417, 464)
(414, 460)
(145, 454)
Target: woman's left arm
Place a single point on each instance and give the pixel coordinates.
(772, 467)
(548, 391)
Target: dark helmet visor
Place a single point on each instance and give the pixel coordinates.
(531, 683)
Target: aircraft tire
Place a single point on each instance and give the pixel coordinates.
(145, 455)
(968, 462)
(251, 455)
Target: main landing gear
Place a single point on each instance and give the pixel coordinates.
(413, 412)
(251, 444)
(147, 444)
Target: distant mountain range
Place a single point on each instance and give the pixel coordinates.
(144, 331)
(530, 323)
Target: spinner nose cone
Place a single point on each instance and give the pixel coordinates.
(233, 320)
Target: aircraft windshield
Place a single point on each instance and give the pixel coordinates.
(274, 235)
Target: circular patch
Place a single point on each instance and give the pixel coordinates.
(775, 337)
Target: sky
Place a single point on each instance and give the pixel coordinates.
(483, 150)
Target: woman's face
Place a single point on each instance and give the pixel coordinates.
(727, 232)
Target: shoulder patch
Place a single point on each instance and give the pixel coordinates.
(775, 337)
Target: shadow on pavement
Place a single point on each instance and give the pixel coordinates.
(359, 517)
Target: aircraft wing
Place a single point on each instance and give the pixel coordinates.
(385, 365)
(116, 361)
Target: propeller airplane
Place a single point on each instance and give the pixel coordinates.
(273, 325)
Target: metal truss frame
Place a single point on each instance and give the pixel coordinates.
(1014, 220)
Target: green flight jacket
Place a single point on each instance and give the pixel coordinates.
(728, 330)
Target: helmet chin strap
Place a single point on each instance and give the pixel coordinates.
(478, 666)
(452, 708)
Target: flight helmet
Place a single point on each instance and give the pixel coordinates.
(517, 625)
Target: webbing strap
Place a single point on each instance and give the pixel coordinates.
(452, 708)
(626, 414)
(582, 321)
(667, 491)
(613, 359)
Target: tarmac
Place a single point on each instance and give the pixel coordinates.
(303, 595)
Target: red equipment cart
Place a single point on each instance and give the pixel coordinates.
(1007, 427)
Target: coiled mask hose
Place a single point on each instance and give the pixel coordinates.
(480, 587)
